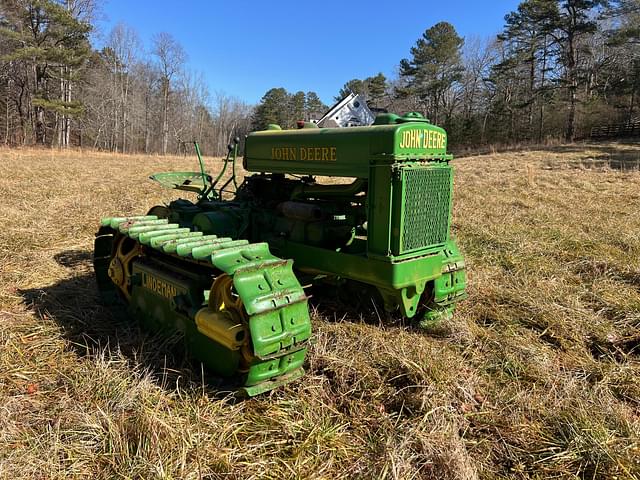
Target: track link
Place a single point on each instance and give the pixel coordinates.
(274, 303)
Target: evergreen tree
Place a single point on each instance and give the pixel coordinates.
(355, 85)
(296, 107)
(313, 105)
(377, 89)
(573, 20)
(373, 89)
(435, 66)
(527, 36)
(45, 37)
(272, 109)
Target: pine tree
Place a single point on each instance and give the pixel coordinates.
(574, 20)
(354, 85)
(373, 89)
(435, 66)
(526, 34)
(313, 105)
(272, 110)
(377, 89)
(625, 40)
(296, 107)
(46, 38)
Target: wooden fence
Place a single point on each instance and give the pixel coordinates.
(617, 130)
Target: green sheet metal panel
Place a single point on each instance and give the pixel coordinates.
(343, 152)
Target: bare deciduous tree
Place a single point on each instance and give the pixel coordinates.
(171, 58)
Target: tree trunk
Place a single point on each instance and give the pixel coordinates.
(532, 86)
(125, 112)
(40, 128)
(483, 135)
(58, 130)
(6, 106)
(66, 120)
(21, 115)
(165, 115)
(572, 78)
(60, 121)
(146, 123)
(542, 86)
(571, 119)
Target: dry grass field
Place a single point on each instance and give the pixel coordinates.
(537, 375)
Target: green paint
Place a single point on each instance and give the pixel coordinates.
(389, 229)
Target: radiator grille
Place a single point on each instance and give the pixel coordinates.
(427, 201)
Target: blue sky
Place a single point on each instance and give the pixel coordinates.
(243, 47)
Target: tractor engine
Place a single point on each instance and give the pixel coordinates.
(367, 204)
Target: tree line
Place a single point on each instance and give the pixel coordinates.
(557, 68)
(57, 90)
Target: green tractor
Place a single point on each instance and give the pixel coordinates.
(228, 272)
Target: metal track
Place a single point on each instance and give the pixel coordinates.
(274, 302)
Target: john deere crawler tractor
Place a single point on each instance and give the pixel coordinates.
(365, 208)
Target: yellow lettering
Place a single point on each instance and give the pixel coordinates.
(306, 153)
(422, 139)
(159, 287)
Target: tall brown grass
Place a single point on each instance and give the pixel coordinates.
(536, 376)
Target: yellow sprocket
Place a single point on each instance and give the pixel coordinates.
(223, 298)
(120, 265)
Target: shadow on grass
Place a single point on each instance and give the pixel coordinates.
(353, 303)
(91, 328)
